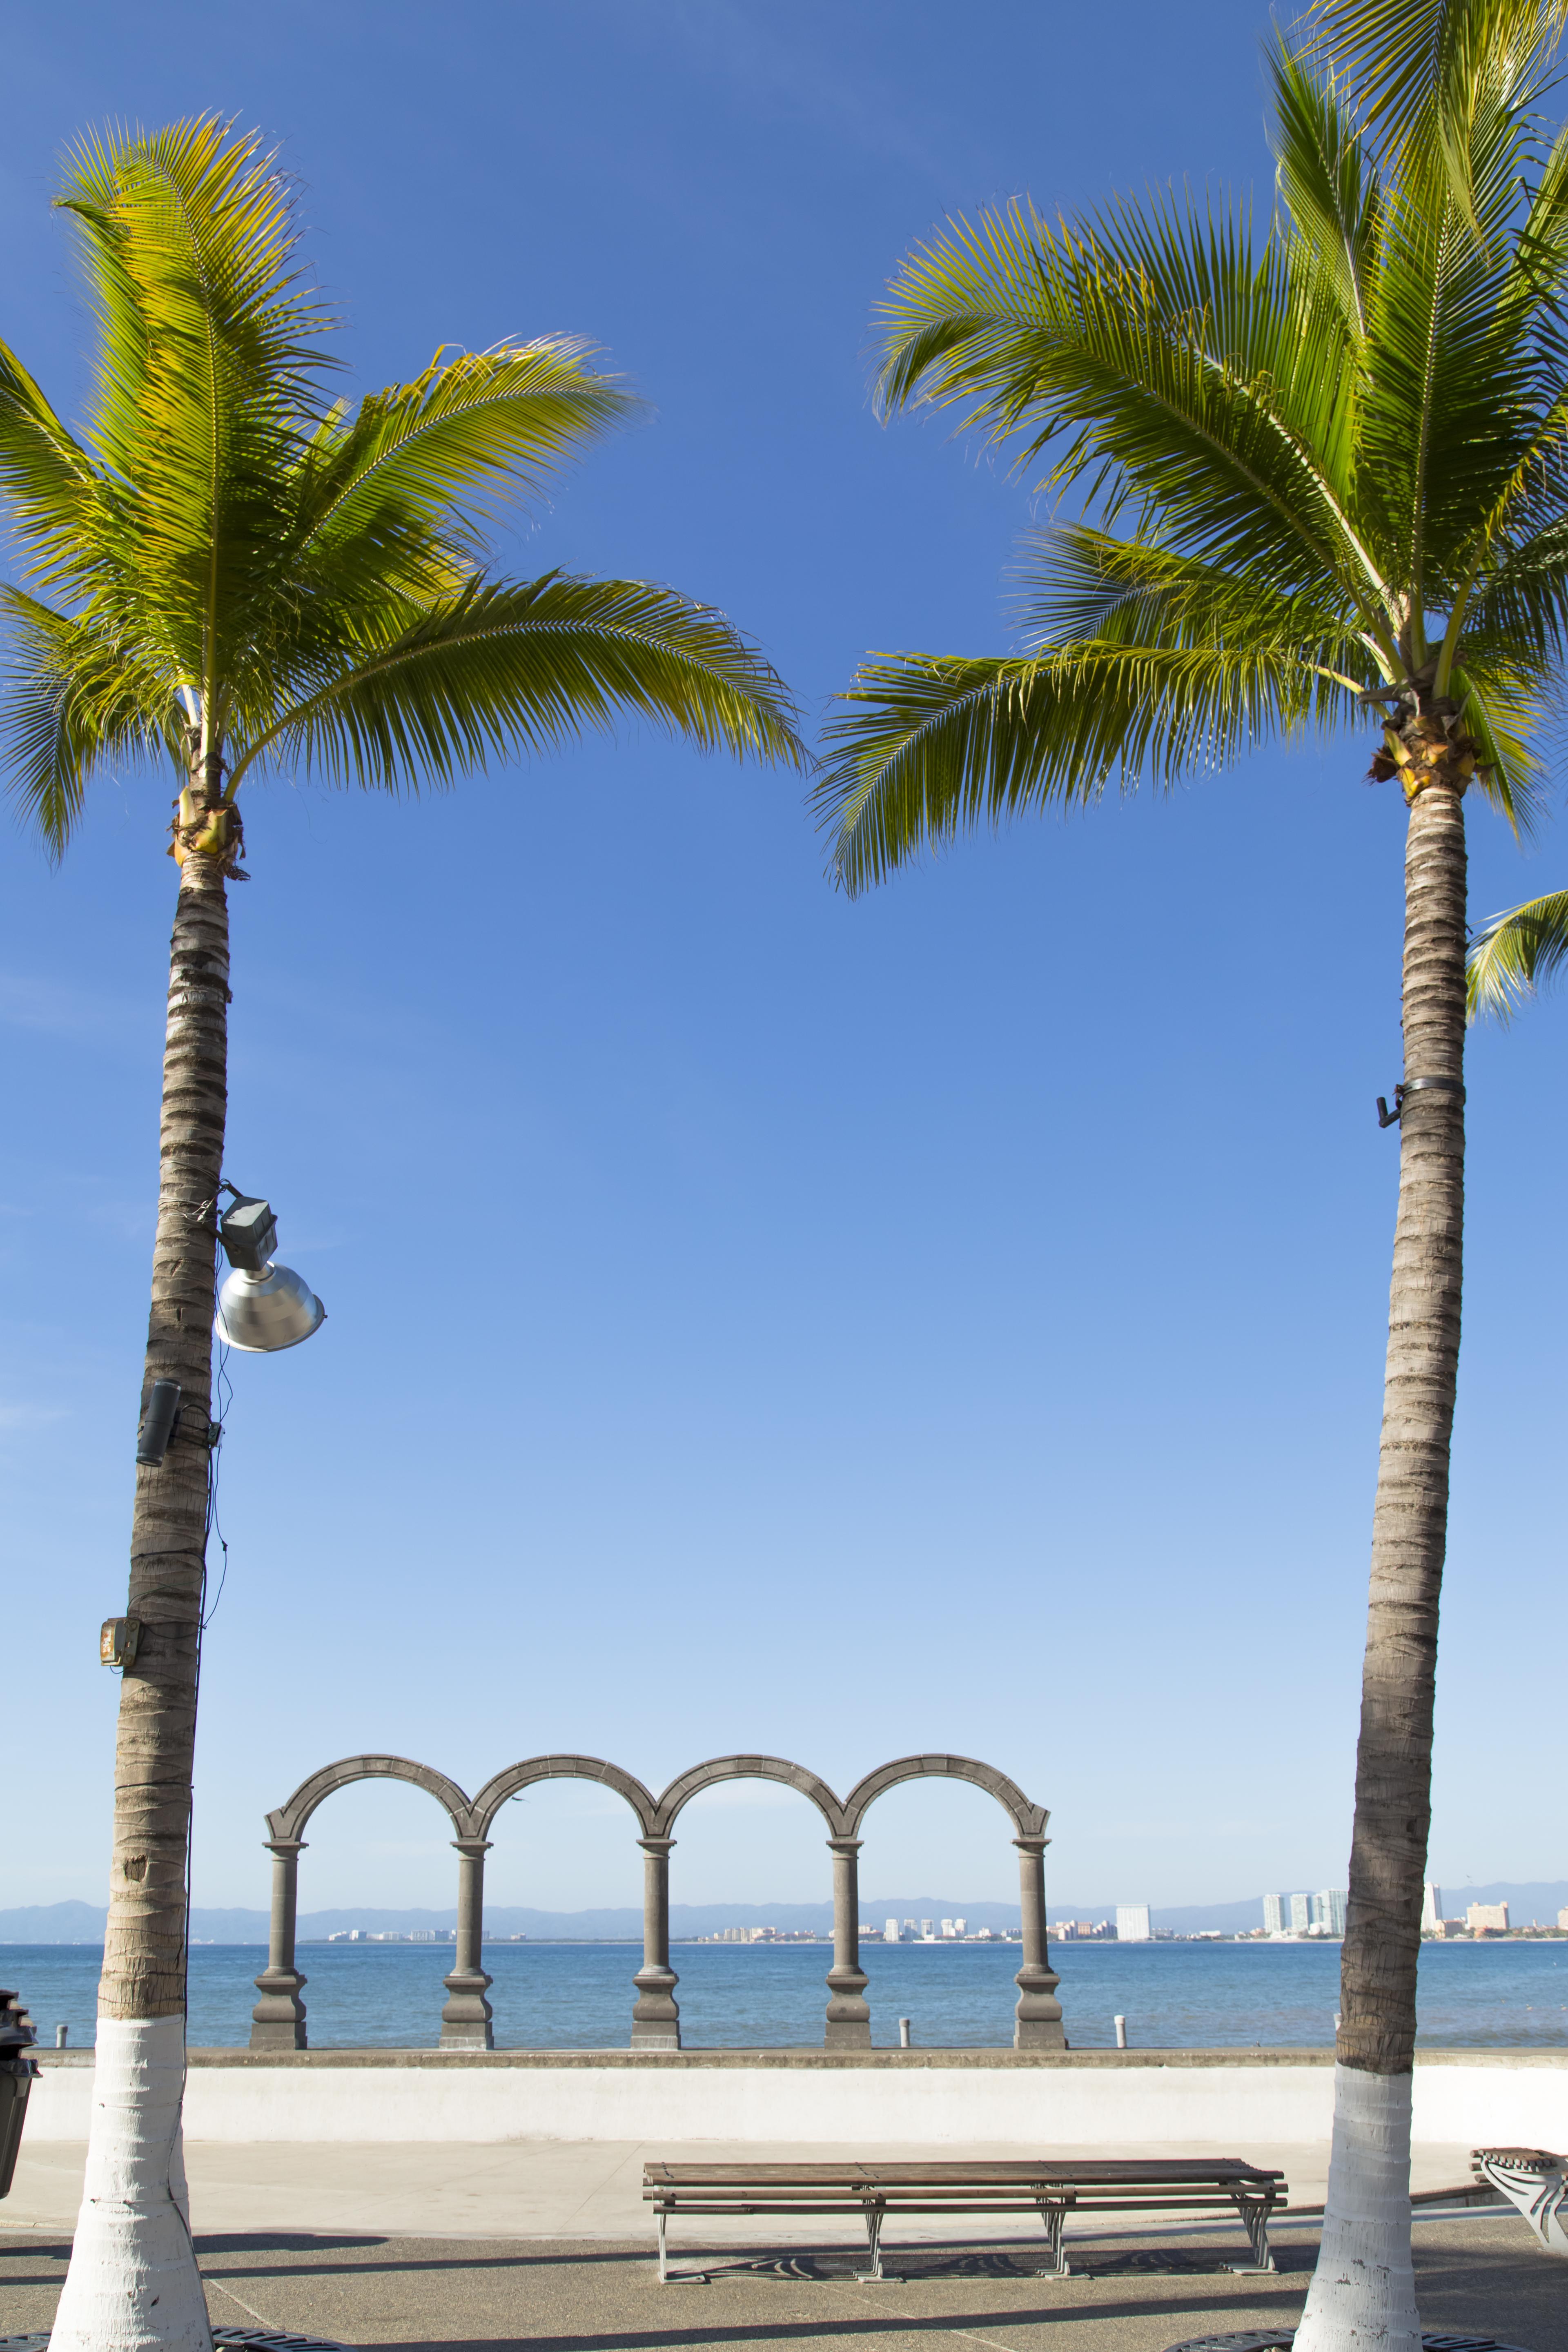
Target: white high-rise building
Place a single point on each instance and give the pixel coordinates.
(961, 1926)
(1133, 1924)
(1300, 1914)
(889, 1931)
(1276, 1912)
(1431, 1909)
(947, 1930)
(1329, 1910)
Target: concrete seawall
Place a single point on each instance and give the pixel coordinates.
(1090, 2099)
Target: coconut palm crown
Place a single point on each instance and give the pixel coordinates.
(1308, 477)
(1322, 472)
(236, 569)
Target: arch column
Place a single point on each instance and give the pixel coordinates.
(848, 2023)
(465, 2019)
(1038, 2019)
(278, 2020)
(655, 2016)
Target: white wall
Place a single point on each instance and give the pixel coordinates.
(1486, 2100)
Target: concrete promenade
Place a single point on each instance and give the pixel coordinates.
(571, 2188)
(1476, 2275)
(469, 2199)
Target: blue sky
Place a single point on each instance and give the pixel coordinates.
(757, 1321)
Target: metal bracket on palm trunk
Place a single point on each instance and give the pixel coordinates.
(1386, 1117)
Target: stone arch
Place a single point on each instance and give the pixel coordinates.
(1029, 1820)
(680, 1791)
(289, 1822)
(505, 1784)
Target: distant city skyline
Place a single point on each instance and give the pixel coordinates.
(1541, 1902)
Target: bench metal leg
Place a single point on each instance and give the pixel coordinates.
(1255, 2212)
(1054, 2215)
(875, 2214)
(1537, 2190)
(663, 2247)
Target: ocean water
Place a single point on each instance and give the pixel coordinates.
(580, 1996)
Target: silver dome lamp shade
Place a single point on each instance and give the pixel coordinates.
(262, 1307)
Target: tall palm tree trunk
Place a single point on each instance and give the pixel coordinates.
(133, 2281)
(1363, 2292)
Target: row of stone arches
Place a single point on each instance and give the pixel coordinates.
(278, 2018)
(472, 1817)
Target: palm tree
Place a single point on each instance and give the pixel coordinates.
(1320, 480)
(1515, 951)
(236, 572)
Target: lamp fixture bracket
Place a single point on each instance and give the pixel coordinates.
(1386, 1117)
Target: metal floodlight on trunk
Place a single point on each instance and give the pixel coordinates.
(262, 1307)
(249, 1232)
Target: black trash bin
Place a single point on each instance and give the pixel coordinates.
(17, 2072)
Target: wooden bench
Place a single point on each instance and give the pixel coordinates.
(1046, 2185)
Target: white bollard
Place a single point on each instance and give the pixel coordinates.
(1120, 2025)
(903, 2033)
(61, 2032)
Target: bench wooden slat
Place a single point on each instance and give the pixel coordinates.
(1173, 2171)
(1014, 2193)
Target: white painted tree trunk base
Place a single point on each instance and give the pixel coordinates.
(1363, 2295)
(134, 2284)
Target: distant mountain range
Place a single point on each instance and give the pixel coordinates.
(82, 1922)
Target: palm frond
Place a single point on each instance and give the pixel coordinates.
(496, 422)
(509, 668)
(1500, 703)
(1177, 371)
(1454, 386)
(1086, 585)
(210, 361)
(931, 746)
(46, 477)
(68, 699)
(1424, 72)
(1327, 185)
(1514, 952)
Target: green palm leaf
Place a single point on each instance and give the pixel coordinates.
(72, 700)
(507, 669)
(1514, 952)
(930, 747)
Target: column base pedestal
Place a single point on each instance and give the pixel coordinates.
(278, 2020)
(847, 2032)
(848, 2025)
(655, 2014)
(288, 2034)
(1038, 2019)
(465, 2019)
